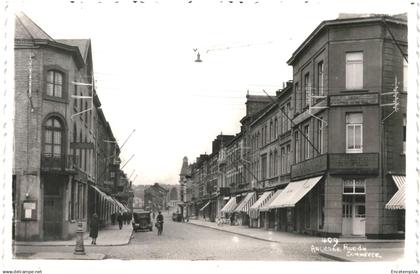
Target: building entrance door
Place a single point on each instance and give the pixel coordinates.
(354, 215)
(53, 208)
(359, 219)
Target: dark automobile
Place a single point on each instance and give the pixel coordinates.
(142, 221)
(176, 217)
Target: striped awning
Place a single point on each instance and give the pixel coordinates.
(398, 200)
(266, 207)
(246, 203)
(294, 192)
(206, 205)
(109, 198)
(230, 206)
(254, 211)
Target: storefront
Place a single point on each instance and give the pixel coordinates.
(265, 212)
(242, 210)
(254, 211)
(228, 209)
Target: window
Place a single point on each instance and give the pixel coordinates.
(283, 120)
(320, 136)
(75, 101)
(54, 83)
(276, 169)
(297, 151)
(271, 131)
(265, 134)
(288, 164)
(354, 133)
(86, 113)
(296, 96)
(264, 166)
(80, 151)
(354, 186)
(306, 142)
(53, 134)
(354, 70)
(276, 133)
(271, 165)
(289, 114)
(307, 93)
(283, 160)
(321, 78)
(404, 132)
(405, 75)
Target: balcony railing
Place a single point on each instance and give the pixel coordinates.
(50, 162)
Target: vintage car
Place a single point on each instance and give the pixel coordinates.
(176, 217)
(142, 221)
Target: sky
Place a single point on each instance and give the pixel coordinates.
(146, 77)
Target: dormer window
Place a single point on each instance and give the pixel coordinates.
(55, 83)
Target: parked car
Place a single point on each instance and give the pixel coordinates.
(142, 221)
(176, 217)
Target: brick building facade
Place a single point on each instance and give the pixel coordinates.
(55, 172)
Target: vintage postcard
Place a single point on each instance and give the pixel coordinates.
(211, 136)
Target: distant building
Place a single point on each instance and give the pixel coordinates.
(156, 198)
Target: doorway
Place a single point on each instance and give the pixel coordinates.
(53, 208)
(354, 215)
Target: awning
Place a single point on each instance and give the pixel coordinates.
(254, 211)
(398, 200)
(108, 198)
(246, 203)
(266, 207)
(293, 192)
(230, 206)
(201, 209)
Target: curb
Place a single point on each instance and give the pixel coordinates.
(276, 241)
(332, 257)
(73, 244)
(237, 233)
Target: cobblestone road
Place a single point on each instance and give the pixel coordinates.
(190, 242)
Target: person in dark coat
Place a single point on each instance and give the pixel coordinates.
(120, 219)
(113, 218)
(94, 227)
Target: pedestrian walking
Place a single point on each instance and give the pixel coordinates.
(113, 217)
(232, 219)
(94, 227)
(120, 219)
(159, 223)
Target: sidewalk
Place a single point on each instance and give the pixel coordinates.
(348, 249)
(108, 236)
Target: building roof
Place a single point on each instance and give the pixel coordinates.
(185, 170)
(25, 28)
(27, 31)
(347, 19)
(82, 44)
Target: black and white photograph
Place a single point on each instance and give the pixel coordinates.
(211, 136)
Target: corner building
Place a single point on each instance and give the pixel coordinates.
(348, 133)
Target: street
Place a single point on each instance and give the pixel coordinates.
(183, 241)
